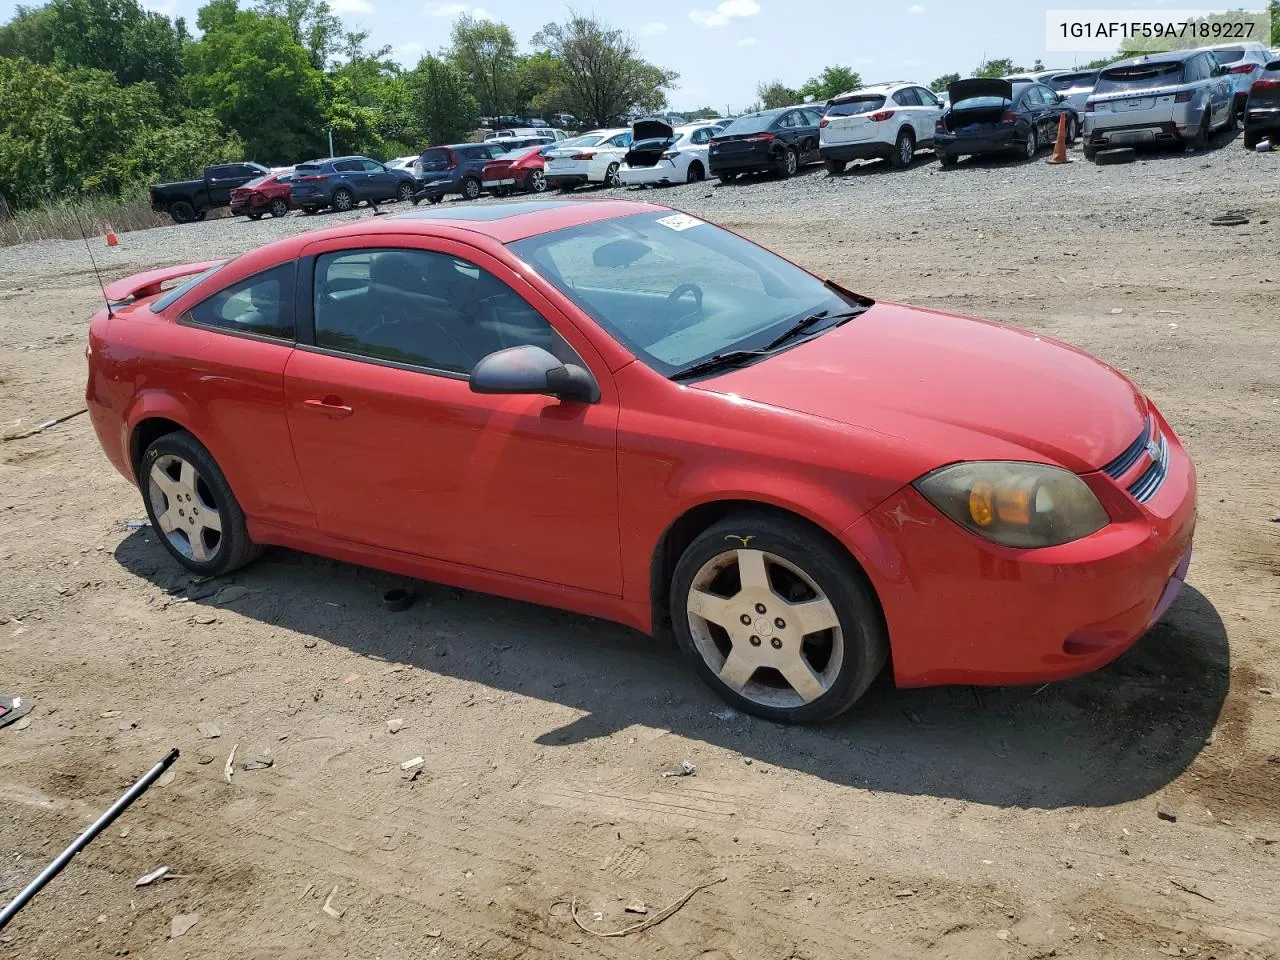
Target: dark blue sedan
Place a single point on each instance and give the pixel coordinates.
(343, 182)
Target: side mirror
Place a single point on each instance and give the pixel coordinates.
(531, 370)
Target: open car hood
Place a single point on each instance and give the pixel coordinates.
(979, 87)
(651, 130)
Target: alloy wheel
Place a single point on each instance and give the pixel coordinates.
(184, 508)
(538, 181)
(342, 200)
(1033, 144)
(611, 176)
(279, 208)
(792, 163)
(471, 189)
(404, 193)
(906, 151)
(765, 628)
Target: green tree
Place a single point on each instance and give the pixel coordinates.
(257, 80)
(941, 83)
(485, 53)
(440, 105)
(775, 93)
(1273, 8)
(117, 36)
(997, 68)
(602, 76)
(313, 25)
(703, 113)
(831, 82)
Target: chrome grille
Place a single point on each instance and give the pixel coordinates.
(1145, 487)
(1122, 464)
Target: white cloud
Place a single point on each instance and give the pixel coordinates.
(408, 53)
(351, 6)
(653, 29)
(447, 9)
(915, 9)
(724, 12)
(167, 8)
(480, 13)
(747, 42)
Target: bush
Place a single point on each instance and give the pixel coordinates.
(63, 218)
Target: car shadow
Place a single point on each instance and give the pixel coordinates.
(1119, 734)
(864, 168)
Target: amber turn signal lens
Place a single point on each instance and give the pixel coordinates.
(1013, 505)
(980, 507)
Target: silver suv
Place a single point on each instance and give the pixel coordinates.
(1180, 97)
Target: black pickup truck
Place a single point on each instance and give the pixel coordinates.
(192, 199)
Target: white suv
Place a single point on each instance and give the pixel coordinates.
(890, 121)
(1243, 63)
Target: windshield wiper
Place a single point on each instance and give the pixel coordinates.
(800, 326)
(721, 361)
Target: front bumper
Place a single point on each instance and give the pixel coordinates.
(962, 610)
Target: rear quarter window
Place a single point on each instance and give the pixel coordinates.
(261, 305)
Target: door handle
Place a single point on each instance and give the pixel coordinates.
(333, 406)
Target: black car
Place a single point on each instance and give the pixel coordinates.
(342, 182)
(778, 141)
(193, 199)
(1262, 109)
(459, 168)
(988, 116)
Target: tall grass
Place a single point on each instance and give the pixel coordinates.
(62, 218)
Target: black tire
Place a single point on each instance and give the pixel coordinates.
(435, 198)
(1115, 155)
(201, 214)
(786, 163)
(611, 178)
(1251, 139)
(255, 214)
(1201, 139)
(182, 212)
(695, 174)
(234, 548)
(1033, 143)
(537, 182)
(1090, 151)
(865, 639)
(947, 159)
(278, 207)
(1073, 130)
(901, 148)
(310, 211)
(472, 188)
(835, 167)
(343, 200)
(404, 192)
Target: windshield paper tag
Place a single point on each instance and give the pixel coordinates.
(679, 221)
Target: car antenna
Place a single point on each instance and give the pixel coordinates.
(88, 249)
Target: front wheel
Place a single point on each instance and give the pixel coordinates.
(404, 192)
(727, 177)
(695, 173)
(182, 212)
(777, 619)
(1252, 139)
(611, 177)
(947, 159)
(278, 208)
(343, 200)
(1073, 130)
(191, 506)
(471, 188)
(255, 214)
(904, 149)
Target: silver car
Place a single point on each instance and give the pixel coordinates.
(1243, 63)
(1180, 97)
(1075, 86)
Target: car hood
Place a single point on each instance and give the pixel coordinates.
(979, 87)
(964, 389)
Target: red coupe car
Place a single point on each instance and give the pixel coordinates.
(269, 194)
(518, 171)
(622, 410)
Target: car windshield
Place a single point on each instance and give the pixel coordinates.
(164, 301)
(1139, 76)
(853, 106)
(675, 290)
(1069, 81)
(752, 123)
(1229, 56)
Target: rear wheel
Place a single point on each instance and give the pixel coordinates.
(695, 173)
(1033, 144)
(404, 192)
(278, 207)
(471, 188)
(1251, 139)
(1073, 130)
(904, 149)
(787, 162)
(538, 182)
(611, 178)
(727, 177)
(834, 167)
(343, 200)
(1201, 140)
(1090, 152)
(255, 214)
(777, 619)
(191, 506)
(182, 212)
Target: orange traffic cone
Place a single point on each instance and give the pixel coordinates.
(1060, 148)
(112, 239)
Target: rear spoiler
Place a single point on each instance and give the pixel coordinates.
(152, 282)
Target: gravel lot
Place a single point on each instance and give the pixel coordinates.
(1002, 823)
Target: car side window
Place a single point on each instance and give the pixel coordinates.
(619, 140)
(424, 309)
(811, 117)
(372, 166)
(927, 98)
(261, 305)
(907, 97)
(701, 135)
(346, 166)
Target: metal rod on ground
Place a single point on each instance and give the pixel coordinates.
(82, 841)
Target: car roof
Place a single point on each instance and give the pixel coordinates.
(1171, 56)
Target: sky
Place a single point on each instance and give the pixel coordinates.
(722, 49)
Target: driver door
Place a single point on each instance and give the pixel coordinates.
(395, 450)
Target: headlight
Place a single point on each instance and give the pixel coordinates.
(1015, 504)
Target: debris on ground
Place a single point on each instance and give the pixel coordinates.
(230, 768)
(166, 778)
(1166, 812)
(396, 725)
(687, 769)
(261, 762)
(209, 731)
(128, 724)
(435, 933)
(182, 923)
(645, 924)
(329, 908)
(1191, 888)
(398, 599)
(44, 426)
(636, 906)
(13, 709)
(904, 893)
(204, 759)
(1232, 218)
(149, 878)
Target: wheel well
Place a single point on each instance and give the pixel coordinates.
(146, 433)
(686, 528)
(696, 163)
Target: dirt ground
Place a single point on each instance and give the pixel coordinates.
(995, 823)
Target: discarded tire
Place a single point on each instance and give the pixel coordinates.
(1229, 220)
(397, 599)
(1118, 155)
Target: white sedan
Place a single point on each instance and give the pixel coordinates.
(663, 154)
(595, 158)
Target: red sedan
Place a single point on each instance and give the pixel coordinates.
(624, 411)
(520, 170)
(269, 194)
